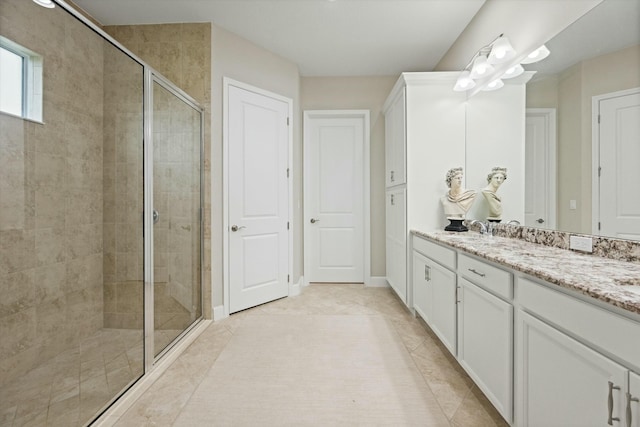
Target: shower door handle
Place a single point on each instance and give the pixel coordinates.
(156, 216)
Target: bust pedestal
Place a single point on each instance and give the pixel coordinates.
(455, 224)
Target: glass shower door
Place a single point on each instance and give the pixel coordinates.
(177, 226)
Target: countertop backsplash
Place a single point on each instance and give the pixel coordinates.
(606, 247)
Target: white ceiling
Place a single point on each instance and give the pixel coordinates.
(324, 38)
(371, 37)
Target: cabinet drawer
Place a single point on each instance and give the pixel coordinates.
(440, 254)
(489, 277)
(609, 332)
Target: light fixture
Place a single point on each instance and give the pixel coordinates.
(493, 85)
(537, 55)
(501, 51)
(49, 4)
(480, 73)
(512, 72)
(481, 67)
(464, 82)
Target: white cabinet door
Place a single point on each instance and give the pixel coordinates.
(421, 288)
(633, 401)
(563, 383)
(395, 142)
(485, 344)
(442, 318)
(396, 242)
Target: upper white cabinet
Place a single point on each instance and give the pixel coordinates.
(395, 137)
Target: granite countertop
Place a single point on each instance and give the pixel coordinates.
(612, 281)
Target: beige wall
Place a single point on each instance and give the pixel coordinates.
(239, 59)
(361, 93)
(182, 54)
(571, 92)
(51, 236)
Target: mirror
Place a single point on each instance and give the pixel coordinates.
(598, 54)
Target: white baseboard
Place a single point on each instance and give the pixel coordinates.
(377, 282)
(117, 410)
(218, 313)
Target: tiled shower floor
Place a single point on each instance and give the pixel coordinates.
(71, 388)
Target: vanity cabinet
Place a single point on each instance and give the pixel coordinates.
(485, 332)
(564, 383)
(434, 290)
(633, 401)
(576, 362)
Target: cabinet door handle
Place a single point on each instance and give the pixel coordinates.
(476, 272)
(427, 273)
(392, 202)
(392, 178)
(611, 418)
(629, 400)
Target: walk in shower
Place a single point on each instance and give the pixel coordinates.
(100, 218)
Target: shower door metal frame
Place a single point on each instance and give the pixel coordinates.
(150, 77)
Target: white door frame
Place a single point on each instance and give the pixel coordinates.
(366, 212)
(550, 117)
(595, 152)
(226, 83)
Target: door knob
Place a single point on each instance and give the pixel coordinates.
(313, 220)
(539, 220)
(235, 228)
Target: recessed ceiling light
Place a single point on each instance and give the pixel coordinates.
(45, 3)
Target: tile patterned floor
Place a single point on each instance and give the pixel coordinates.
(461, 401)
(72, 387)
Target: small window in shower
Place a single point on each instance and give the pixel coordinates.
(20, 81)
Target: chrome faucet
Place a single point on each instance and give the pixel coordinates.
(483, 226)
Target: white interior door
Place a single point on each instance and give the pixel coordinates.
(619, 154)
(540, 168)
(258, 139)
(334, 196)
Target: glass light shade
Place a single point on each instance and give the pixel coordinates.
(537, 55)
(494, 85)
(501, 51)
(464, 82)
(512, 72)
(45, 3)
(481, 67)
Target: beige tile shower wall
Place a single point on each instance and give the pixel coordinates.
(51, 234)
(182, 53)
(123, 260)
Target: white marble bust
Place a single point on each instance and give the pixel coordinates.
(457, 201)
(495, 179)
